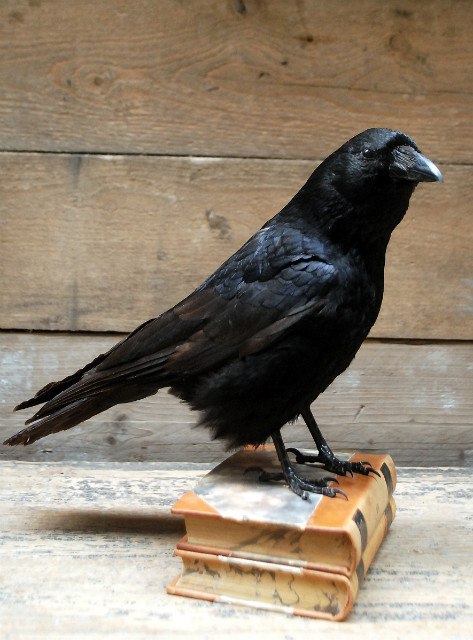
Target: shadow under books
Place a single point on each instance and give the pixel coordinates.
(117, 521)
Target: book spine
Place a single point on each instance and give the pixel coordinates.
(264, 585)
(370, 505)
(298, 547)
(375, 542)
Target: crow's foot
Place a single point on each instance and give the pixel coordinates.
(331, 463)
(299, 485)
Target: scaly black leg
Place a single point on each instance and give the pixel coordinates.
(326, 455)
(299, 485)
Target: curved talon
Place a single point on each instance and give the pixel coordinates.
(365, 470)
(332, 493)
(364, 467)
(371, 470)
(300, 457)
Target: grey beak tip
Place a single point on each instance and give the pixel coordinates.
(432, 170)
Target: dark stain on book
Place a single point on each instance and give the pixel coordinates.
(360, 571)
(359, 520)
(387, 476)
(389, 515)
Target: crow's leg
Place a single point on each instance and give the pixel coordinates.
(326, 455)
(299, 485)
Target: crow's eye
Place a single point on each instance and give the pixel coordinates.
(368, 153)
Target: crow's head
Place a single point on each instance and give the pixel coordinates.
(380, 159)
(374, 174)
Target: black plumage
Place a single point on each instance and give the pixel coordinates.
(263, 336)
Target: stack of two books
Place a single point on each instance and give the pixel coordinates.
(262, 546)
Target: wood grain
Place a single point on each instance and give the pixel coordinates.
(87, 551)
(413, 401)
(102, 243)
(235, 78)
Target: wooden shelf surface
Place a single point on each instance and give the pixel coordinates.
(86, 550)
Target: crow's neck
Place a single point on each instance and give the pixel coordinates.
(365, 226)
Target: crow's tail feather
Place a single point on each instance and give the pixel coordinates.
(60, 420)
(53, 389)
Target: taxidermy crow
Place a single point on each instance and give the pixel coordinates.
(263, 336)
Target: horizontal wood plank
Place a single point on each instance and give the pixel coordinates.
(236, 78)
(87, 551)
(102, 243)
(413, 401)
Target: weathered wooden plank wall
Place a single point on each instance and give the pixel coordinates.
(103, 244)
(141, 144)
(234, 77)
(413, 400)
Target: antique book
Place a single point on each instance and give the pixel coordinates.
(272, 584)
(230, 513)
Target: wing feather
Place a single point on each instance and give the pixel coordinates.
(252, 300)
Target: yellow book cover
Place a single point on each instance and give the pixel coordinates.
(276, 586)
(229, 509)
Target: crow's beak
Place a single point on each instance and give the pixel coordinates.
(409, 164)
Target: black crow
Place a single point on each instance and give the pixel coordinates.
(263, 336)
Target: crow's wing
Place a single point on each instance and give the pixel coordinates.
(277, 278)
